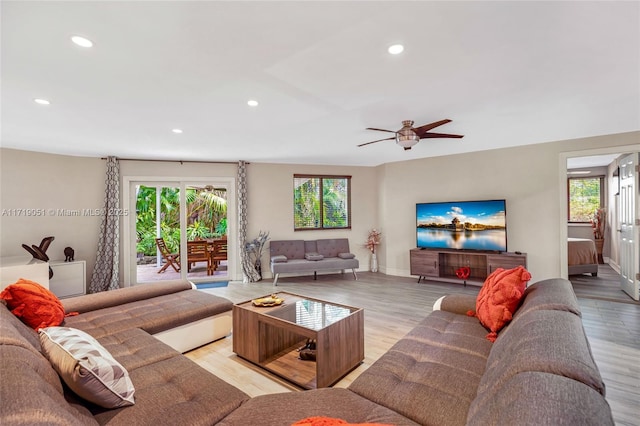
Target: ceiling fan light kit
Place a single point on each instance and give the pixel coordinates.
(408, 136)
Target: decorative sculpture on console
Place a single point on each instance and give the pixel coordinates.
(40, 252)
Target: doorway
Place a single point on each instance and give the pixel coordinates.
(603, 165)
(180, 229)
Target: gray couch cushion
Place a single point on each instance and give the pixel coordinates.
(431, 375)
(287, 408)
(534, 399)
(134, 348)
(279, 259)
(15, 332)
(330, 247)
(31, 391)
(346, 255)
(540, 341)
(155, 315)
(313, 256)
(292, 249)
(552, 294)
(106, 299)
(303, 265)
(175, 390)
(459, 303)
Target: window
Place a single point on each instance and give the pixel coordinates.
(321, 202)
(586, 195)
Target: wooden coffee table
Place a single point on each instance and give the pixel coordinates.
(270, 336)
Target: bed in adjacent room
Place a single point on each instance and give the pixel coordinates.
(582, 256)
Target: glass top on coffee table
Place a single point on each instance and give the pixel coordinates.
(309, 313)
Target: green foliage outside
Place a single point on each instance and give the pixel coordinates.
(206, 216)
(313, 212)
(584, 199)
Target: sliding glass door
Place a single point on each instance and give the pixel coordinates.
(158, 233)
(179, 230)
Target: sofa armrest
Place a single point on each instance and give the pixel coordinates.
(456, 303)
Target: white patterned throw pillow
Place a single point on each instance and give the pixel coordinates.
(87, 367)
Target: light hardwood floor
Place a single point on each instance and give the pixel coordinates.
(394, 305)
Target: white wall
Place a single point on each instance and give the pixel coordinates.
(52, 183)
(271, 204)
(384, 197)
(527, 177)
(270, 199)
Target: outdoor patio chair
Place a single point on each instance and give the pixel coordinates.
(197, 251)
(171, 259)
(218, 252)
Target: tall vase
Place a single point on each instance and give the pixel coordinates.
(374, 262)
(599, 246)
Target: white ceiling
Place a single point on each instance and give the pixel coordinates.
(591, 161)
(506, 73)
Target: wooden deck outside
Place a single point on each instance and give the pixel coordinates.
(149, 273)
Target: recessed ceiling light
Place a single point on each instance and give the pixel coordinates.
(396, 49)
(176, 130)
(41, 101)
(81, 41)
(252, 103)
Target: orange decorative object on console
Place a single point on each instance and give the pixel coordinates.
(463, 272)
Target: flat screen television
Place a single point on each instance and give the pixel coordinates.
(462, 225)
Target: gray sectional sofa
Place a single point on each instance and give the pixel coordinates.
(539, 371)
(169, 387)
(300, 256)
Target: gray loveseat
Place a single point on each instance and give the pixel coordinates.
(299, 256)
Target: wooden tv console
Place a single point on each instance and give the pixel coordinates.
(441, 265)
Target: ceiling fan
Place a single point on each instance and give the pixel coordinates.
(408, 136)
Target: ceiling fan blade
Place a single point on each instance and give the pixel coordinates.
(379, 140)
(381, 130)
(427, 127)
(439, 135)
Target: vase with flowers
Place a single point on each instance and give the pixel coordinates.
(598, 224)
(373, 239)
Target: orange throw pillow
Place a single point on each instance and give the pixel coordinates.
(330, 421)
(499, 298)
(35, 305)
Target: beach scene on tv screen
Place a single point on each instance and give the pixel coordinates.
(469, 225)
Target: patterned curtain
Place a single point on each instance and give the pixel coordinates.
(105, 272)
(249, 273)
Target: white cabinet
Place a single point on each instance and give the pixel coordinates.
(69, 278)
(15, 267)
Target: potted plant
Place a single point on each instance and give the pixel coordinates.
(372, 242)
